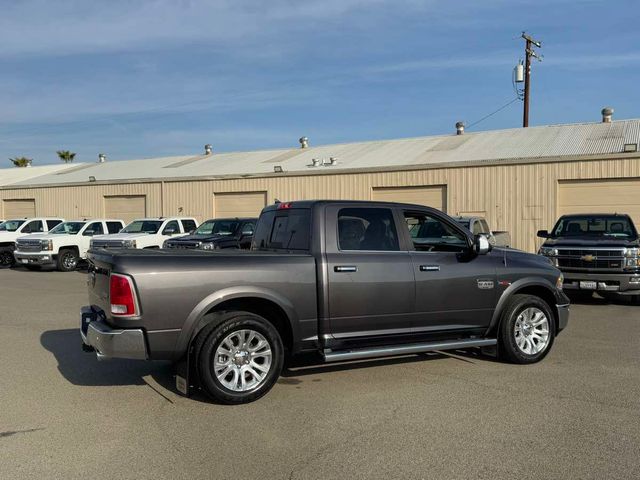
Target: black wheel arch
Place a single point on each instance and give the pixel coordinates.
(536, 287)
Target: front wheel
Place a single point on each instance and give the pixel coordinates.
(67, 260)
(527, 330)
(240, 359)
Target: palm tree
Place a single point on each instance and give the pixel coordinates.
(21, 161)
(66, 156)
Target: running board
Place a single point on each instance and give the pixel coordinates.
(390, 351)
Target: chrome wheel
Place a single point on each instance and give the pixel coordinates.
(69, 261)
(242, 360)
(531, 331)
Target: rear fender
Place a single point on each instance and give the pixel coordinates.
(194, 321)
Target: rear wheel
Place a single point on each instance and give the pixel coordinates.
(67, 260)
(527, 330)
(239, 359)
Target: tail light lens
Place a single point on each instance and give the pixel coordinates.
(122, 296)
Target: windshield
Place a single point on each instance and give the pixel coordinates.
(217, 227)
(68, 228)
(143, 226)
(10, 225)
(600, 226)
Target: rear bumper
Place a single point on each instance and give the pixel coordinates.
(36, 258)
(109, 342)
(622, 283)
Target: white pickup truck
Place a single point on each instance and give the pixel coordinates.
(65, 245)
(12, 229)
(479, 226)
(146, 233)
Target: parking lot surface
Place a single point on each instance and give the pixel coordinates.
(64, 415)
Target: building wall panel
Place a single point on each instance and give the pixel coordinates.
(520, 198)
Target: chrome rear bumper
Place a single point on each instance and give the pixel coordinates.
(109, 342)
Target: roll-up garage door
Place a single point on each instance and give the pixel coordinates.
(432, 196)
(125, 207)
(245, 204)
(19, 208)
(600, 196)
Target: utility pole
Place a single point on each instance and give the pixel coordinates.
(528, 53)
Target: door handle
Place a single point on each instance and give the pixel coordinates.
(345, 268)
(429, 268)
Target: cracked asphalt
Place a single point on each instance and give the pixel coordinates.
(64, 415)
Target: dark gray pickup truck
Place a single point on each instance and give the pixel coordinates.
(346, 279)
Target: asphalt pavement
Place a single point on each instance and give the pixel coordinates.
(439, 416)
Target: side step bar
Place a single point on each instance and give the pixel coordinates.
(390, 351)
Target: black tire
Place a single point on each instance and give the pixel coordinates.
(208, 341)
(6, 258)
(67, 260)
(507, 345)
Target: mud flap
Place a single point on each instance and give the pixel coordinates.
(183, 376)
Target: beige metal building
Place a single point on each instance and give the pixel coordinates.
(520, 179)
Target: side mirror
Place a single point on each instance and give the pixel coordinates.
(543, 233)
(481, 245)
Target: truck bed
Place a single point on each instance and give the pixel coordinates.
(204, 279)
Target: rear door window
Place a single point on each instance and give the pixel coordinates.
(287, 229)
(53, 223)
(188, 225)
(371, 229)
(114, 227)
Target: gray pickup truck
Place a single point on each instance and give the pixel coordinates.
(346, 279)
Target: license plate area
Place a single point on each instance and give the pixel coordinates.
(588, 285)
(87, 316)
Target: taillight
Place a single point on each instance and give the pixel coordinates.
(122, 296)
(284, 205)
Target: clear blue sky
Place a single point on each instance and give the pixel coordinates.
(138, 79)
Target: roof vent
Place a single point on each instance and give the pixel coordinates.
(607, 113)
(304, 142)
(459, 128)
(315, 162)
(332, 161)
(102, 158)
(208, 149)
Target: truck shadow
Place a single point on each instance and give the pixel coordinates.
(82, 368)
(578, 298)
(312, 364)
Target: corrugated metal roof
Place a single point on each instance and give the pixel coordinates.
(15, 175)
(517, 145)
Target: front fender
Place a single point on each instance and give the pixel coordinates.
(513, 289)
(190, 327)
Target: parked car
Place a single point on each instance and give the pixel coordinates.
(348, 280)
(217, 234)
(11, 230)
(596, 253)
(479, 226)
(65, 245)
(146, 233)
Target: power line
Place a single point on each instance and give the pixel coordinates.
(494, 112)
